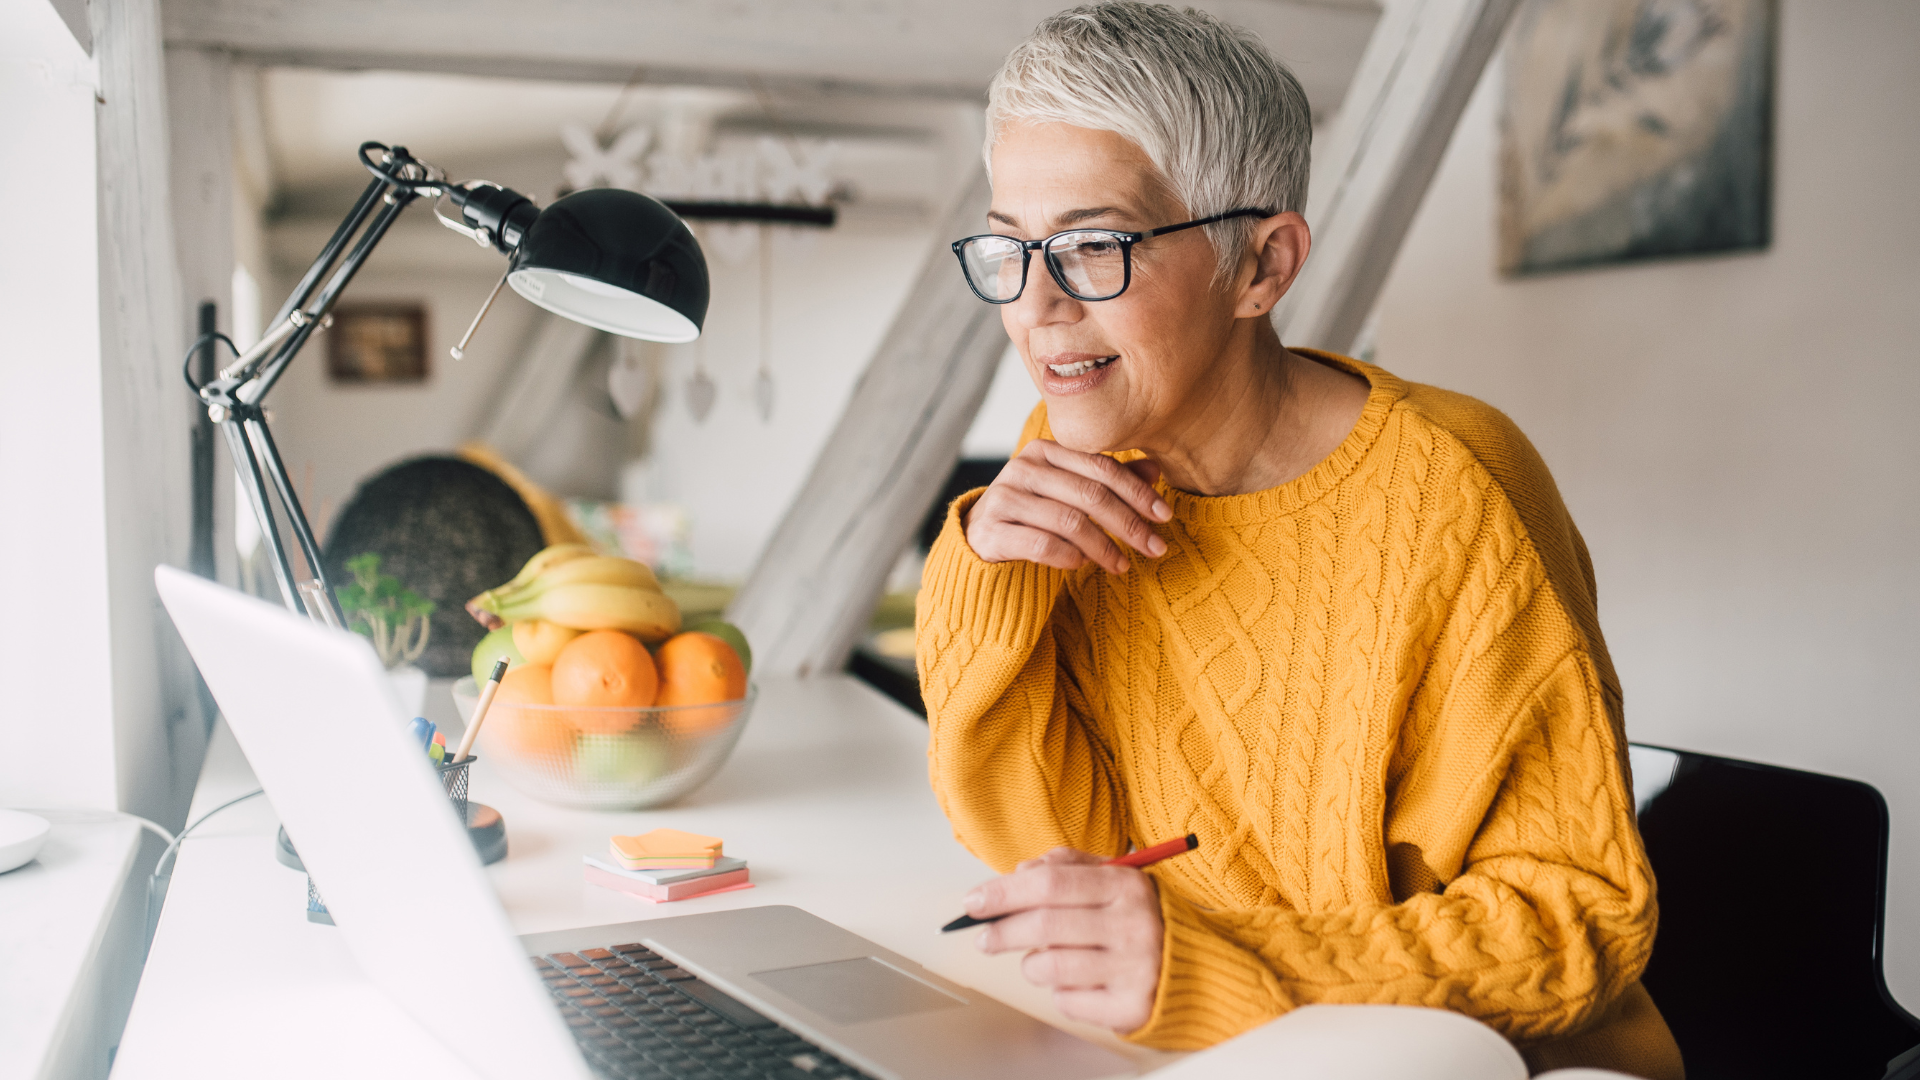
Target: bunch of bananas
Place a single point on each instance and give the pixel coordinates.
(569, 586)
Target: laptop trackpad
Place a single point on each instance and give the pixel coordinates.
(852, 991)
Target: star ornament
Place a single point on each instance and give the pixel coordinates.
(593, 165)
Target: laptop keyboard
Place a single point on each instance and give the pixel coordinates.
(639, 1017)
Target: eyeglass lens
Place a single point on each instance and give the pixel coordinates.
(1093, 265)
(995, 266)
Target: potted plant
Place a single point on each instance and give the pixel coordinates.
(397, 620)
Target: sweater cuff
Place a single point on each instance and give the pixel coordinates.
(1210, 989)
(1005, 603)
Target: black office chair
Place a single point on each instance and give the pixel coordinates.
(1772, 915)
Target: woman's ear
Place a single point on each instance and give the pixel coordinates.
(1276, 251)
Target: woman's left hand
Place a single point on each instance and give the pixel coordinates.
(1093, 934)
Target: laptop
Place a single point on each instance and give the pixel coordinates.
(754, 992)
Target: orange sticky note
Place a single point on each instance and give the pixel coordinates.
(665, 849)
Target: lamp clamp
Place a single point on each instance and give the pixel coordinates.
(494, 216)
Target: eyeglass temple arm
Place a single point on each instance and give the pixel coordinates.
(1163, 230)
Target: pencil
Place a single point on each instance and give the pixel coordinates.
(480, 708)
(1137, 859)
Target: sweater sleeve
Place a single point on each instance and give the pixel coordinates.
(1013, 760)
(1532, 908)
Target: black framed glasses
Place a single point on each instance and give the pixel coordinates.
(1089, 264)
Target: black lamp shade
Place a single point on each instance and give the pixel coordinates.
(617, 261)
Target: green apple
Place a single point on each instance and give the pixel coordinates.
(730, 634)
(631, 757)
(495, 645)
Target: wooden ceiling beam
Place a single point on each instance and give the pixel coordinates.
(927, 49)
(556, 69)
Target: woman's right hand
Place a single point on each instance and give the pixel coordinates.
(1057, 507)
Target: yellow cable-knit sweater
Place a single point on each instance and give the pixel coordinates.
(1379, 695)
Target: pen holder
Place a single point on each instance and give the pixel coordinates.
(453, 776)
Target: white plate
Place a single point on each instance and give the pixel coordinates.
(21, 835)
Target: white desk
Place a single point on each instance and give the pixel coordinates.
(69, 924)
(826, 797)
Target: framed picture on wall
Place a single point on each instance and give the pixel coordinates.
(378, 343)
(1635, 129)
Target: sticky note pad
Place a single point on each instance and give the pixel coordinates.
(665, 849)
(725, 864)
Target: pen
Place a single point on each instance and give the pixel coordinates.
(480, 708)
(1136, 859)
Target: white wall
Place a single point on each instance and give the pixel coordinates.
(56, 719)
(1734, 435)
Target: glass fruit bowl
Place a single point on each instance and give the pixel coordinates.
(605, 758)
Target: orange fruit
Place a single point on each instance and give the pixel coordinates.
(541, 733)
(525, 684)
(604, 670)
(698, 668)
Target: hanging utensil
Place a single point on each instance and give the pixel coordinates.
(763, 382)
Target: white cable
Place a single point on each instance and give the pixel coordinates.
(151, 826)
(171, 848)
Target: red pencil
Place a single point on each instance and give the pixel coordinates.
(1146, 856)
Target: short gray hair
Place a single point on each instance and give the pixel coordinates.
(1226, 124)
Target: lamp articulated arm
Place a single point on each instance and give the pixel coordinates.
(615, 260)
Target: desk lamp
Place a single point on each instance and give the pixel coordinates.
(612, 259)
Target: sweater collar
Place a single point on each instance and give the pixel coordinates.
(1384, 391)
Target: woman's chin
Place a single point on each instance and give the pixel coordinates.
(1089, 434)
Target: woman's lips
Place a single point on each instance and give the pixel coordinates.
(1075, 373)
(1066, 369)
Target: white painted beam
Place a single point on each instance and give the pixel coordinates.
(917, 48)
(532, 392)
(158, 732)
(810, 596)
(200, 138)
(1369, 177)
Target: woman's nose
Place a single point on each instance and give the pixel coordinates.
(1043, 302)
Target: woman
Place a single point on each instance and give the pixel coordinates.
(1338, 625)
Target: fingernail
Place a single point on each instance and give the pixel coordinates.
(1161, 510)
(1123, 567)
(1156, 546)
(980, 942)
(973, 901)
